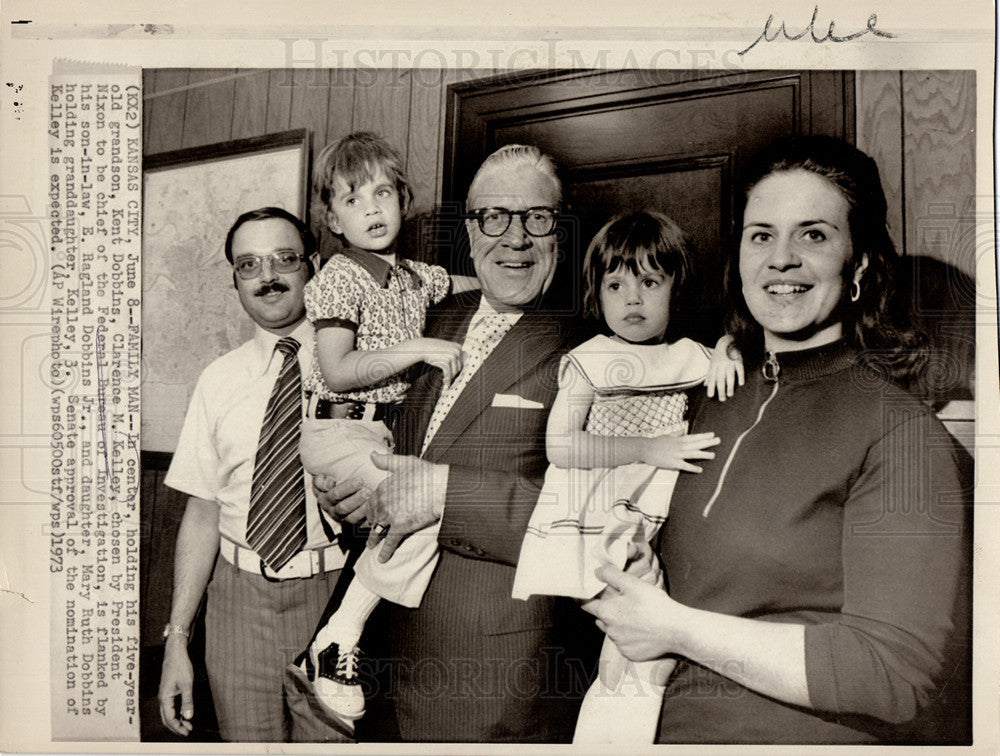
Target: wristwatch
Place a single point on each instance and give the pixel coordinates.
(175, 630)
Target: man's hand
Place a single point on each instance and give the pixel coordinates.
(411, 498)
(347, 501)
(176, 679)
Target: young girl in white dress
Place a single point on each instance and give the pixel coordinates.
(616, 440)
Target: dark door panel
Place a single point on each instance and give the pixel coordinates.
(694, 192)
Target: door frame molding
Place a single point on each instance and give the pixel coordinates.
(475, 108)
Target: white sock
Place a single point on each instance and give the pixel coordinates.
(345, 626)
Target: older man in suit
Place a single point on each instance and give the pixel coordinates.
(471, 663)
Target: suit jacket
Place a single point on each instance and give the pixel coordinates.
(472, 663)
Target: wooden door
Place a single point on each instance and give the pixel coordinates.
(673, 141)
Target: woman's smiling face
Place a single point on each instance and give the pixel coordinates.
(795, 255)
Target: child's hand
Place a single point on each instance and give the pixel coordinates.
(643, 564)
(724, 369)
(445, 355)
(672, 451)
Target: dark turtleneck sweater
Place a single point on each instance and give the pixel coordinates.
(834, 502)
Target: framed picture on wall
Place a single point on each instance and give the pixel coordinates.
(190, 310)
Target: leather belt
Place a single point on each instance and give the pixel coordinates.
(305, 564)
(328, 409)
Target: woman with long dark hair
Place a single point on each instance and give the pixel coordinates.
(818, 569)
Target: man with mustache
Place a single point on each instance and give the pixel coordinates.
(251, 502)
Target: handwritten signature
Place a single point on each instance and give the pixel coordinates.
(770, 34)
(101, 411)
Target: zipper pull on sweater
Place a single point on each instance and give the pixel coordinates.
(770, 368)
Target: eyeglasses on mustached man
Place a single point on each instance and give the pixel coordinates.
(250, 266)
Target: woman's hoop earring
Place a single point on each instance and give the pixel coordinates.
(855, 291)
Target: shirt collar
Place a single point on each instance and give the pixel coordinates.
(377, 267)
(815, 362)
(264, 342)
(486, 310)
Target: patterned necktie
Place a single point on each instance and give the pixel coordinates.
(483, 336)
(276, 525)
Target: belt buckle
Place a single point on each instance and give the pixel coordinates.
(276, 579)
(312, 402)
(314, 561)
(263, 571)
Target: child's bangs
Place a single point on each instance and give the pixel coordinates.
(356, 170)
(637, 260)
(644, 241)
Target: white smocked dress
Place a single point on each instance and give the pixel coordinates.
(586, 518)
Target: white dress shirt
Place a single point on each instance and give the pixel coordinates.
(218, 443)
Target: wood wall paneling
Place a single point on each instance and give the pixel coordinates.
(165, 110)
(423, 161)
(311, 101)
(250, 105)
(279, 100)
(340, 110)
(939, 176)
(423, 139)
(382, 105)
(918, 126)
(940, 166)
(673, 128)
(208, 116)
(879, 106)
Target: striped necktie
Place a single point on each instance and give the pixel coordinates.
(276, 525)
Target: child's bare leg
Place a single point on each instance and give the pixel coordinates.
(623, 704)
(626, 693)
